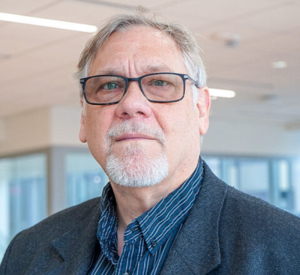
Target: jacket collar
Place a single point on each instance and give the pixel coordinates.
(197, 246)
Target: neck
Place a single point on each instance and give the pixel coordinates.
(133, 202)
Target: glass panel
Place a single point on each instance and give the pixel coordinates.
(254, 178)
(296, 186)
(85, 178)
(28, 192)
(230, 172)
(23, 195)
(214, 164)
(284, 195)
(5, 174)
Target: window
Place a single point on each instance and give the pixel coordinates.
(296, 185)
(254, 178)
(24, 185)
(22, 195)
(84, 176)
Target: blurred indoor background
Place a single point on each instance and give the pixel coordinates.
(251, 47)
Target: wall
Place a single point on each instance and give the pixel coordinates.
(250, 139)
(40, 129)
(25, 132)
(65, 125)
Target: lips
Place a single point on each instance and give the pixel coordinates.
(134, 131)
(133, 136)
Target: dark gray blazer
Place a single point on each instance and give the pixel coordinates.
(226, 232)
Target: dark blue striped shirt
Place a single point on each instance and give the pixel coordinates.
(148, 238)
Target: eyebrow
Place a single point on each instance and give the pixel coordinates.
(147, 70)
(160, 68)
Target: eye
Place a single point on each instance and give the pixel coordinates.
(158, 82)
(110, 86)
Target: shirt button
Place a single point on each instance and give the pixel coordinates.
(126, 273)
(153, 243)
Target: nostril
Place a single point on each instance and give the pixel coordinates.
(133, 104)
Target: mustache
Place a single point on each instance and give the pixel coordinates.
(135, 127)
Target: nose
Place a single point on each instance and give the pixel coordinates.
(134, 104)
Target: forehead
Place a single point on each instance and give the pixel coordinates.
(138, 49)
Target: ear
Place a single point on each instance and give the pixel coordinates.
(203, 107)
(82, 135)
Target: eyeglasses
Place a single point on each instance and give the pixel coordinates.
(156, 87)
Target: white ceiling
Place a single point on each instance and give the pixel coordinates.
(37, 64)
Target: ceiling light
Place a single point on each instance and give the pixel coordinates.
(279, 64)
(47, 23)
(221, 93)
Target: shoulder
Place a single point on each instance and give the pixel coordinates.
(241, 206)
(251, 212)
(240, 209)
(39, 239)
(251, 233)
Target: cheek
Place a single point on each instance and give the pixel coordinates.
(98, 120)
(174, 125)
(181, 127)
(97, 124)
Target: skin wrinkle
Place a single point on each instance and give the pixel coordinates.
(148, 70)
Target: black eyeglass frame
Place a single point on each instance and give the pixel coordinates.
(184, 77)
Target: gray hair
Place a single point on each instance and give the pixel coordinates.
(179, 34)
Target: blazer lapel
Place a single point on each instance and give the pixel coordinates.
(196, 249)
(77, 246)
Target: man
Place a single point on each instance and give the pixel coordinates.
(145, 106)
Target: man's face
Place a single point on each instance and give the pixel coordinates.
(136, 133)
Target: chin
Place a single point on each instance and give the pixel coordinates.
(135, 168)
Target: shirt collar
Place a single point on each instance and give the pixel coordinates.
(159, 222)
(108, 225)
(156, 224)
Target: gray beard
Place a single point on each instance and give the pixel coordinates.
(134, 168)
